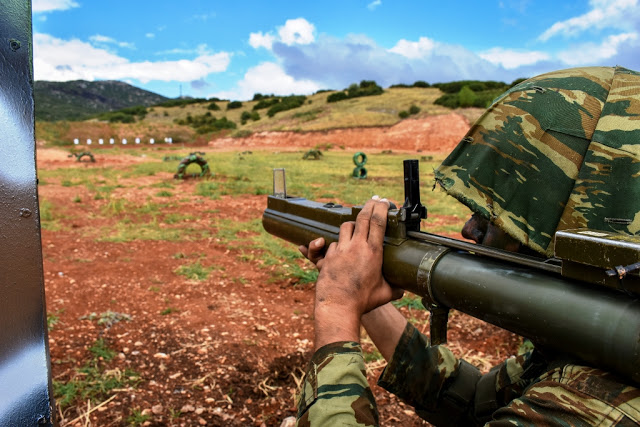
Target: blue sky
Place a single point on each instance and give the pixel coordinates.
(232, 50)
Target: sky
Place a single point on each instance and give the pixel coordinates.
(232, 50)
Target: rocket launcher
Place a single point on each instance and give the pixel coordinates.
(583, 302)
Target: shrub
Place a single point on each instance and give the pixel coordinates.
(266, 103)
(213, 107)
(338, 96)
(474, 85)
(246, 116)
(466, 97)
(119, 117)
(366, 88)
(181, 102)
(414, 109)
(403, 114)
(206, 123)
(287, 103)
(259, 96)
(233, 105)
(421, 83)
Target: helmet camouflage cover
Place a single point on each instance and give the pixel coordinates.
(557, 151)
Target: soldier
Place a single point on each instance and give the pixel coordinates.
(557, 151)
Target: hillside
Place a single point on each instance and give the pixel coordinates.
(201, 121)
(80, 99)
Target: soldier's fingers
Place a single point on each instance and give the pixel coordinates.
(303, 250)
(316, 250)
(346, 232)
(363, 219)
(396, 293)
(378, 221)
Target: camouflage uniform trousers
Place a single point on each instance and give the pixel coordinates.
(522, 391)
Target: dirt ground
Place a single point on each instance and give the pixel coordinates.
(232, 349)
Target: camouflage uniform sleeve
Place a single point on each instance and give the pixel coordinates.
(335, 390)
(446, 390)
(573, 395)
(430, 378)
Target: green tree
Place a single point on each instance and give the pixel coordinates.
(466, 97)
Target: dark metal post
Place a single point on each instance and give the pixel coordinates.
(25, 372)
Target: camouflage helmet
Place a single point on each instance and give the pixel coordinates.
(557, 151)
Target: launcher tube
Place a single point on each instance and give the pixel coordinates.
(595, 324)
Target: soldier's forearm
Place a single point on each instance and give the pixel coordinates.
(384, 325)
(334, 324)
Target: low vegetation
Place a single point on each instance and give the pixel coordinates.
(188, 119)
(365, 88)
(471, 93)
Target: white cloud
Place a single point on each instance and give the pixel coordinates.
(268, 78)
(591, 53)
(294, 31)
(61, 60)
(511, 59)
(99, 39)
(150, 35)
(201, 49)
(374, 4)
(297, 31)
(39, 6)
(603, 14)
(257, 40)
(413, 50)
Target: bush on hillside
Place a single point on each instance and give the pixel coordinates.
(125, 115)
(206, 123)
(118, 117)
(474, 85)
(213, 107)
(233, 105)
(421, 83)
(466, 97)
(366, 88)
(246, 116)
(286, 103)
(266, 103)
(181, 102)
(471, 93)
(414, 109)
(259, 96)
(338, 96)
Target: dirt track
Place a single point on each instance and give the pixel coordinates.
(427, 134)
(226, 351)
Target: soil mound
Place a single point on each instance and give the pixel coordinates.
(431, 134)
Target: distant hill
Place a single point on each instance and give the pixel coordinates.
(80, 99)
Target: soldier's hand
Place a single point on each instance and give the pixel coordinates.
(350, 281)
(314, 252)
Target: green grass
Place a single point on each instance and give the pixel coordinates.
(50, 216)
(52, 320)
(194, 271)
(130, 231)
(410, 301)
(93, 381)
(137, 418)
